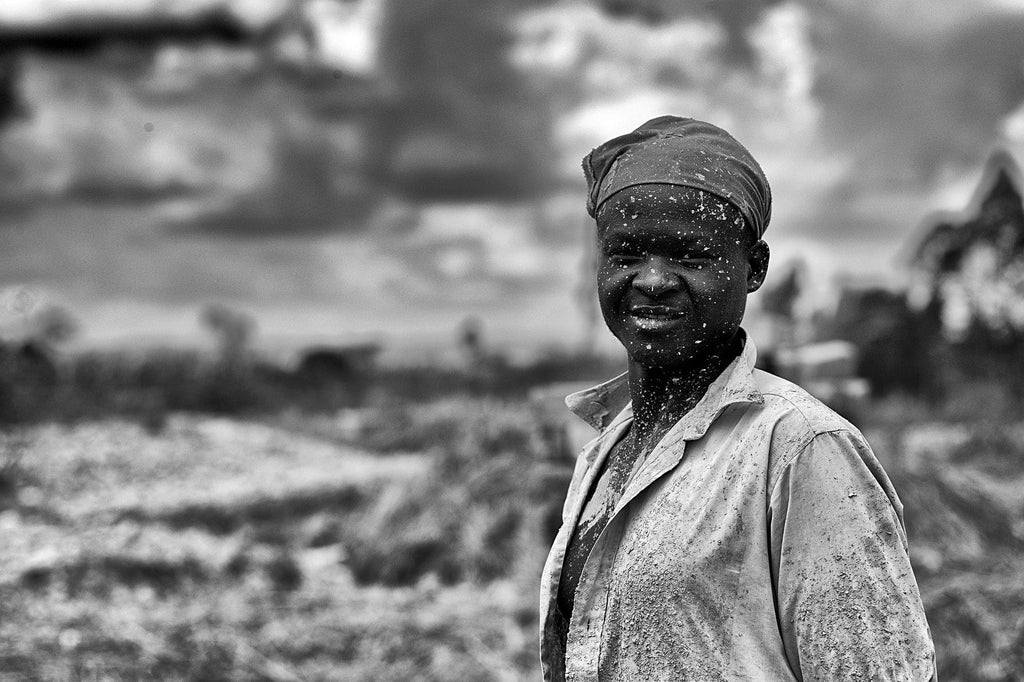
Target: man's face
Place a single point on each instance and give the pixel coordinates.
(675, 267)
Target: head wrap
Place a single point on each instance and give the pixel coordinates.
(681, 151)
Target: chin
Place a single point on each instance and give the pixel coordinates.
(684, 354)
(660, 358)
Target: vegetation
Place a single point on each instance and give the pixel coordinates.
(224, 549)
(396, 543)
(962, 322)
(38, 385)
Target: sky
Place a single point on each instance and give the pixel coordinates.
(134, 195)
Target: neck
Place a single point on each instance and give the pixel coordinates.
(662, 395)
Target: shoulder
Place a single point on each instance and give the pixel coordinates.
(795, 408)
(797, 419)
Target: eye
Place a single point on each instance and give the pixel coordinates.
(692, 255)
(624, 255)
(690, 259)
(625, 260)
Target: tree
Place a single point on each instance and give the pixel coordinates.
(969, 272)
(972, 270)
(11, 103)
(233, 330)
(779, 302)
(54, 325)
(893, 341)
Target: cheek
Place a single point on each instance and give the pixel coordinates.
(717, 297)
(723, 276)
(706, 284)
(612, 279)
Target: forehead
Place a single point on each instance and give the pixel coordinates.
(687, 208)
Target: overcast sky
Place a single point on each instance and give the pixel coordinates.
(867, 116)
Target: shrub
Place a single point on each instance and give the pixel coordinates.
(470, 518)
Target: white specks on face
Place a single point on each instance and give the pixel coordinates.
(667, 276)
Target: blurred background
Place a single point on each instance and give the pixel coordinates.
(290, 292)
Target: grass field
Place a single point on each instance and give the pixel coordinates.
(398, 544)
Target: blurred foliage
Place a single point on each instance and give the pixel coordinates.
(495, 375)
(224, 549)
(427, 571)
(232, 328)
(781, 297)
(895, 343)
(54, 325)
(11, 105)
(38, 384)
(902, 349)
(960, 488)
(466, 519)
(958, 333)
(973, 283)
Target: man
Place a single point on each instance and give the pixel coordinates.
(725, 525)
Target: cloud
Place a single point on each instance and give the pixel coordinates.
(909, 104)
(460, 123)
(733, 17)
(902, 116)
(48, 12)
(92, 132)
(864, 115)
(860, 112)
(480, 253)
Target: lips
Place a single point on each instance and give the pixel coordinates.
(654, 317)
(655, 311)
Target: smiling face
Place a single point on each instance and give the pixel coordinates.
(675, 267)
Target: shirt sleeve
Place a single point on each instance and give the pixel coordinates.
(847, 600)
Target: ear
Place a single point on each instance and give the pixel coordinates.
(757, 260)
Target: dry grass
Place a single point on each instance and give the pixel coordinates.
(238, 550)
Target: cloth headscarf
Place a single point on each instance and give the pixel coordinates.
(685, 152)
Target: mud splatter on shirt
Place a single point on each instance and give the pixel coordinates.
(760, 540)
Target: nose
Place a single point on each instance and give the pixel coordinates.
(656, 278)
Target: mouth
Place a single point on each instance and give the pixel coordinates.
(654, 317)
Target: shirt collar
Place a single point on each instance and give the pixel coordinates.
(609, 402)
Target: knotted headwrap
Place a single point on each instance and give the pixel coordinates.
(680, 151)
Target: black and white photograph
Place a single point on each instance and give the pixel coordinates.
(511, 340)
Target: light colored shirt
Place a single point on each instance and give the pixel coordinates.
(759, 540)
